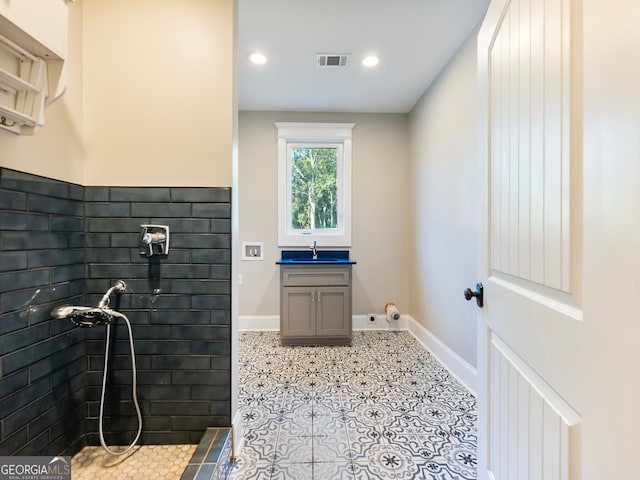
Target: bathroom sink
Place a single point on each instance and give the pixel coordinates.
(305, 257)
(315, 260)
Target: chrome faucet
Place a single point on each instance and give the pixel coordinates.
(314, 250)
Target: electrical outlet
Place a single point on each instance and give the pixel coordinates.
(371, 317)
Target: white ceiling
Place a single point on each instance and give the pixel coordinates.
(413, 38)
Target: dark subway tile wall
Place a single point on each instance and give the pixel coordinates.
(62, 243)
(178, 305)
(42, 361)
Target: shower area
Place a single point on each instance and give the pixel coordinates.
(65, 244)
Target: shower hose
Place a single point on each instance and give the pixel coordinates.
(134, 383)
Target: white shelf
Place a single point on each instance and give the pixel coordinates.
(23, 89)
(33, 44)
(13, 84)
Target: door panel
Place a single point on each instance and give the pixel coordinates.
(530, 243)
(533, 422)
(333, 311)
(529, 149)
(299, 314)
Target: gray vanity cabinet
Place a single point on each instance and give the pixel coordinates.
(315, 305)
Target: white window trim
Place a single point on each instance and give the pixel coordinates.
(331, 133)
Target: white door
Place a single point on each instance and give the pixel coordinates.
(530, 227)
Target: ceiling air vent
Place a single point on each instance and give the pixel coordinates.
(329, 60)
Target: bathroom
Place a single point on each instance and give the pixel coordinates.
(131, 141)
(76, 192)
(132, 136)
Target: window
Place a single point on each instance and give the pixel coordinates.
(314, 184)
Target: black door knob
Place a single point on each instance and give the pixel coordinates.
(469, 294)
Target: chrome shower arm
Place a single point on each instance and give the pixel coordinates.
(118, 287)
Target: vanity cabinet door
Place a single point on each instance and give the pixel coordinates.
(333, 312)
(298, 312)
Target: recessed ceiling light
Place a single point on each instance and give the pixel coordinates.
(257, 58)
(370, 61)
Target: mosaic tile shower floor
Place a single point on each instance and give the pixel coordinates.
(151, 462)
(383, 408)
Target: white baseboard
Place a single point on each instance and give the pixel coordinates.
(360, 322)
(457, 366)
(259, 322)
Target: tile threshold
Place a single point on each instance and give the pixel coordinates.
(212, 458)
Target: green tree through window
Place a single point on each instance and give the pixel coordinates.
(314, 190)
(314, 184)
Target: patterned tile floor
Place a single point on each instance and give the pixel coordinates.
(383, 408)
(150, 462)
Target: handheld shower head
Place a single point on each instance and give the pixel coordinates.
(66, 311)
(92, 316)
(85, 316)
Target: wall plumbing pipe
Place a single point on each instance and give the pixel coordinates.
(392, 311)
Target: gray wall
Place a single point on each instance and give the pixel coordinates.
(443, 184)
(380, 218)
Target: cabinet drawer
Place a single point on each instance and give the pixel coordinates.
(315, 276)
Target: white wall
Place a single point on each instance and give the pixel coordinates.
(149, 98)
(443, 201)
(158, 79)
(55, 150)
(380, 219)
